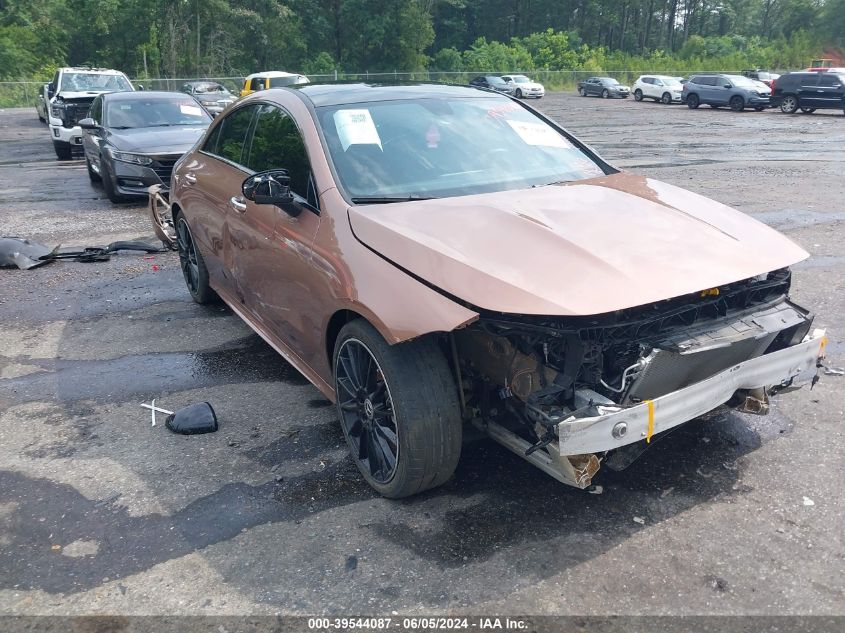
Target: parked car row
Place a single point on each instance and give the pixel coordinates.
(518, 86)
(806, 91)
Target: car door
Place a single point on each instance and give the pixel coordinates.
(213, 177)
(829, 91)
(270, 247)
(808, 91)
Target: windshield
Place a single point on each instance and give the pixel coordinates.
(278, 82)
(431, 148)
(608, 81)
(82, 82)
(154, 112)
(521, 79)
(209, 87)
(743, 82)
(671, 82)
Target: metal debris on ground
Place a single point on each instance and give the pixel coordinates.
(24, 254)
(834, 371)
(809, 502)
(639, 520)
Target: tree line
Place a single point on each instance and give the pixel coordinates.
(186, 38)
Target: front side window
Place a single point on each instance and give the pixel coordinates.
(258, 83)
(229, 137)
(447, 147)
(277, 144)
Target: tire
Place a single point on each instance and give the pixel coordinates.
(693, 101)
(605, 94)
(808, 110)
(93, 175)
(737, 103)
(638, 95)
(714, 106)
(582, 92)
(192, 264)
(518, 93)
(63, 150)
(108, 184)
(759, 108)
(789, 104)
(417, 445)
(666, 99)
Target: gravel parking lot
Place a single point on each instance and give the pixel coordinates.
(102, 513)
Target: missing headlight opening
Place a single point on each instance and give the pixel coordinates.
(552, 388)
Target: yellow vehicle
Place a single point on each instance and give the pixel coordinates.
(271, 79)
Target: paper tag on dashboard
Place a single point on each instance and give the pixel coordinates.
(539, 134)
(356, 127)
(192, 110)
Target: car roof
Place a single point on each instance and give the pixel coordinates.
(340, 93)
(197, 82)
(91, 71)
(139, 95)
(274, 73)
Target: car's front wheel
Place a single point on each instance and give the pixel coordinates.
(93, 175)
(789, 104)
(582, 92)
(399, 410)
(518, 93)
(666, 99)
(109, 186)
(63, 150)
(605, 94)
(638, 95)
(192, 264)
(693, 101)
(737, 103)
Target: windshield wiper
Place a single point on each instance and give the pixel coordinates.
(388, 199)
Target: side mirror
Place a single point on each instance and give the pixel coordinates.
(141, 87)
(51, 90)
(88, 124)
(728, 86)
(271, 187)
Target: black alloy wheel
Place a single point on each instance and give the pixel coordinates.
(192, 264)
(367, 411)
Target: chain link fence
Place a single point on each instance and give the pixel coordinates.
(24, 93)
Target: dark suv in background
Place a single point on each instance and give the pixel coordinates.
(809, 91)
(735, 91)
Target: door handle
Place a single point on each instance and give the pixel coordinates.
(237, 203)
(190, 179)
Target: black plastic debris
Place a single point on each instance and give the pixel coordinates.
(193, 420)
(25, 254)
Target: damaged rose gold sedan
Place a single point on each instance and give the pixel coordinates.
(430, 256)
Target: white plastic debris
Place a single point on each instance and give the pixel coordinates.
(153, 408)
(809, 502)
(639, 520)
(834, 371)
(595, 490)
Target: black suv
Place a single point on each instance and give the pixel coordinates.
(809, 91)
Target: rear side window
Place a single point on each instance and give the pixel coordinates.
(829, 81)
(229, 137)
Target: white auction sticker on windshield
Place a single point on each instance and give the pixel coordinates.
(189, 109)
(356, 127)
(539, 134)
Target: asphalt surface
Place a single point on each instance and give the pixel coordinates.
(102, 513)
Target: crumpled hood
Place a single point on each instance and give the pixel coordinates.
(585, 248)
(86, 94)
(157, 140)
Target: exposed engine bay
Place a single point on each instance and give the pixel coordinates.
(536, 383)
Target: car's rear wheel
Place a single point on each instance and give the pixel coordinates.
(192, 264)
(399, 410)
(737, 103)
(93, 175)
(666, 99)
(693, 101)
(638, 95)
(789, 104)
(808, 110)
(582, 92)
(605, 94)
